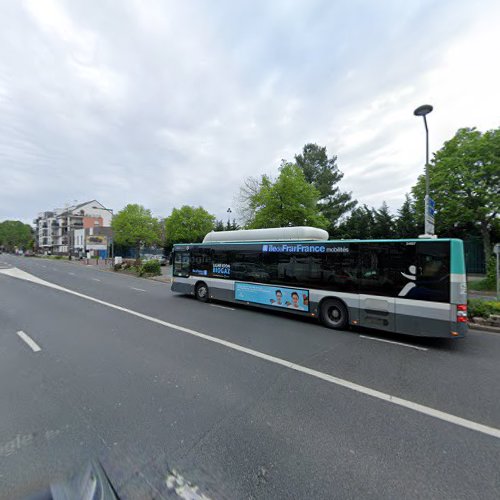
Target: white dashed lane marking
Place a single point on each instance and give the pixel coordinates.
(417, 347)
(34, 346)
(223, 307)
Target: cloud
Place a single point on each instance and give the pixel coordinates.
(172, 103)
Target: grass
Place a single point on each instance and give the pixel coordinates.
(480, 286)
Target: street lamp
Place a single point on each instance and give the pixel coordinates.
(229, 218)
(423, 111)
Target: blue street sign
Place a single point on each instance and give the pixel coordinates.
(431, 207)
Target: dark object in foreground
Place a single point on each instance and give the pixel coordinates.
(90, 483)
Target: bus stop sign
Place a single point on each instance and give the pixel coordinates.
(431, 207)
(429, 215)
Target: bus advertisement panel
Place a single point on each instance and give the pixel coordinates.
(291, 298)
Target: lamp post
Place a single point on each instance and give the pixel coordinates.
(229, 219)
(423, 111)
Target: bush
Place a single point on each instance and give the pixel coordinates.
(482, 308)
(491, 273)
(151, 267)
(490, 282)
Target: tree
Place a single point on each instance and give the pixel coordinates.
(405, 225)
(322, 172)
(135, 226)
(464, 183)
(359, 224)
(219, 225)
(288, 201)
(383, 226)
(244, 201)
(14, 233)
(188, 225)
(231, 226)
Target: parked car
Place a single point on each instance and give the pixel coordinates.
(162, 259)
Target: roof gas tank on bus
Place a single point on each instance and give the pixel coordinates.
(297, 233)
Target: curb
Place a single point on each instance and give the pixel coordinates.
(483, 328)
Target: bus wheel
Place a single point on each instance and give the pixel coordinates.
(201, 292)
(334, 314)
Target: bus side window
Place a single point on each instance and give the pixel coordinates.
(433, 272)
(181, 264)
(381, 268)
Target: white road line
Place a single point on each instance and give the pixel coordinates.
(34, 346)
(388, 398)
(223, 307)
(72, 274)
(418, 348)
(96, 279)
(43, 266)
(138, 289)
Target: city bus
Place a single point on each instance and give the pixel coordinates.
(408, 286)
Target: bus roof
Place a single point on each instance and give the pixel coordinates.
(313, 242)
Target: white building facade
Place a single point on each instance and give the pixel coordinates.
(56, 230)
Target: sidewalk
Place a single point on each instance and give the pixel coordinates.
(107, 266)
(481, 294)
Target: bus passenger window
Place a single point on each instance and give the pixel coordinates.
(181, 264)
(432, 272)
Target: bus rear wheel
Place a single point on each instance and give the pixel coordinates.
(333, 314)
(201, 292)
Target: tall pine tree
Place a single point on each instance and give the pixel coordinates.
(323, 173)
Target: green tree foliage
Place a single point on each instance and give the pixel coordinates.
(188, 225)
(231, 225)
(135, 226)
(359, 224)
(464, 182)
(405, 225)
(13, 233)
(288, 201)
(383, 226)
(323, 173)
(219, 225)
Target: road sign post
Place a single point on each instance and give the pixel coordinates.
(430, 208)
(496, 251)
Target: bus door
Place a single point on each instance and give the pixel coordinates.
(377, 304)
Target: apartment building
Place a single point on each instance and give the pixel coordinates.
(55, 230)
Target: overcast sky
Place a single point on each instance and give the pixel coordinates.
(171, 103)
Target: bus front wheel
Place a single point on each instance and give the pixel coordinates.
(201, 292)
(333, 314)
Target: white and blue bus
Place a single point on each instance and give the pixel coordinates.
(411, 286)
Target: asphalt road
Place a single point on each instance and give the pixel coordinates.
(243, 403)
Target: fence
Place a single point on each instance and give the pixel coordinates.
(474, 256)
